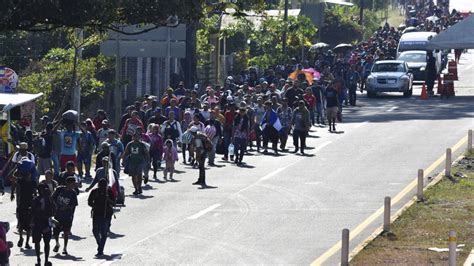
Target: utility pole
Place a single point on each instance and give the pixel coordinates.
(285, 19)
(361, 6)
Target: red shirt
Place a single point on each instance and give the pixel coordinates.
(310, 99)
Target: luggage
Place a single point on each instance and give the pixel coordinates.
(70, 115)
(121, 196)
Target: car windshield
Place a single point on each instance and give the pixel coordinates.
(413, 57)
(388, 67)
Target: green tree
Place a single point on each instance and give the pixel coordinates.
(52, 76)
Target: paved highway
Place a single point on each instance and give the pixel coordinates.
(279, 210)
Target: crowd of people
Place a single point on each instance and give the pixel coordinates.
(248, 112)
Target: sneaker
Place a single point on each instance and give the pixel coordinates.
(197, 183)
(27, 246)
(64, 252)
(135, 192)
(99, 254)
(20, 243)
(56, 248)
(211, 164)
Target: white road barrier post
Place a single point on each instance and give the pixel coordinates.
(419, 190)
(469, 140)
(448, 163)
(452, 248)
(345, 248)
(386, 214)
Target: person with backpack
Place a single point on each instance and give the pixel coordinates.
(136, 155)
(65, 199)
(101, 200)
(171, 129)
(42, 209)
(201, 145)
(24, 184)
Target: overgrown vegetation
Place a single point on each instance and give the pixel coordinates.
(449, 206)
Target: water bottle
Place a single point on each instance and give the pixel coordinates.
(231, 149)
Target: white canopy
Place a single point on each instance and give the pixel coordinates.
(458, 36)
(10, 100)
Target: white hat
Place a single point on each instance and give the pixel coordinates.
(194, 129)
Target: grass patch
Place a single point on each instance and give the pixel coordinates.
(448, 206)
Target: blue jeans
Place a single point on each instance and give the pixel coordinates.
(56, 164)
(240, 146)
(100, 229)
(227, 139)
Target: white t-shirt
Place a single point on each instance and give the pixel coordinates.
(17, 157)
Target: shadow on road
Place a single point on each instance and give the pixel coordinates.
(409, 109)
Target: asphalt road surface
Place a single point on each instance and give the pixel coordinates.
(279, 210)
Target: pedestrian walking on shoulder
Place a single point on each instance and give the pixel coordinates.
(101, 200)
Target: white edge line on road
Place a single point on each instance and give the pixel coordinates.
(203, 212)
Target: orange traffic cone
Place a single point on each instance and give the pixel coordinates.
(424, 94)
(440, 85)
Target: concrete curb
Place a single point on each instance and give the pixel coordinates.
(395, 216)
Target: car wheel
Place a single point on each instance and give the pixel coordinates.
(406, 93)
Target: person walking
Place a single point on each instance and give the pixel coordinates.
(270, 126)
(201, 145)
(42, 209)
(301, 124)
(213, 131)
(170, 156)
(285, 114)
(101, 200)
(156, 148)
(65, 199)
(24, 186)
(240, 134)
(353, 79)
(332, 104)
(136, 155)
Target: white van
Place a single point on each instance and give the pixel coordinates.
(417, 41)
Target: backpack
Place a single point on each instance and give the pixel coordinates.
(169, 132)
